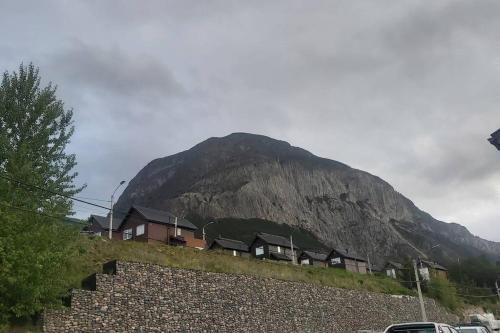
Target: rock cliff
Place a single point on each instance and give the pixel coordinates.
(246, 176)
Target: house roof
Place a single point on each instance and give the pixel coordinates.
(346, 255)
(394, 264)
(163, 217)
(433, 265)
(276, 240)
(315, 255)
(103, 222)
(280, 256)
(231, 244)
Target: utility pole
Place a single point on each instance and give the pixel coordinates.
(369, 264)
(293, 253)
(175, 227)
(498, 289)
(420, 297)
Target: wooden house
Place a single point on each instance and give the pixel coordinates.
(99, 226)
(347, 261)
(274, 247)
(393, 269)
(430, 269)
(232, 246)
(156, 226)
(313, 258)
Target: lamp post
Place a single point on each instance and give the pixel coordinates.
(203, 229)
(111, 210)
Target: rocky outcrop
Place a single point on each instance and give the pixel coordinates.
(247, 176)
(150, 298)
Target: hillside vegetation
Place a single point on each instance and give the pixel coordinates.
(94, 252)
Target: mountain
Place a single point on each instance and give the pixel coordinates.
(249, 176)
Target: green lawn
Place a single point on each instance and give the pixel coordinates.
(96, 251)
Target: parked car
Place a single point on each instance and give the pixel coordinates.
(472, 328)
(420, 328)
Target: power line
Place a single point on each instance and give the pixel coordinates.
(51, 192)
(39, 213)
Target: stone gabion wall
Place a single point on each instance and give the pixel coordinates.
(150, 298)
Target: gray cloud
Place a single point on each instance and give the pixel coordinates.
(407, 90)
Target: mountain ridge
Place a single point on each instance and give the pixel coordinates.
(253, 176)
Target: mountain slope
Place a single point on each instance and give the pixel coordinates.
(252, 176)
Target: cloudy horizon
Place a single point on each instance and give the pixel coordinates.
(406, 90)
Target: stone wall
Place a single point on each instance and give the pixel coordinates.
(149, 298)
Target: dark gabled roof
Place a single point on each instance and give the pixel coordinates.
(103, 222)
(433, 265)
(276, 240)
(495, 139)
(163, 217)
(280, 256)
(346, 255)
(231, 244)
(394, 264)
(315, 255)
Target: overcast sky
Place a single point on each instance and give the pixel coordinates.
(406, 90)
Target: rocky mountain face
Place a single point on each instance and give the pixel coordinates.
(252, 176)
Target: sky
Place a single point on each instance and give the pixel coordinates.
(408, 90)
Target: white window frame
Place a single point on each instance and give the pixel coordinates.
(127, 234)
(179, 232)
(235, 253)
(139, 230)
(305, 261)
(279, 249)
(259, 250)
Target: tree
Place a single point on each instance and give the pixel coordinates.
(35, 244)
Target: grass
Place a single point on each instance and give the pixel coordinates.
(96, 251)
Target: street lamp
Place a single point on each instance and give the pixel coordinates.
(203, 229)
(111, 210)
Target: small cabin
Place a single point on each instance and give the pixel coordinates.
(156, 226)
(430, 269)
(231, 246)
(393, 269)
(99, 226)
(347, 261)
(273, 247)
(313, 258)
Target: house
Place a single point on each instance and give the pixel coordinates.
(393, 269)
(156, 226)
(430, 269)
(99, 225)
(347, 261)
(235, 247)
(274, 247)
(313, 258)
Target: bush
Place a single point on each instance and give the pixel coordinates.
(444, 292)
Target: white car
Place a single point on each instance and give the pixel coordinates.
(472, 329)
(420, 328)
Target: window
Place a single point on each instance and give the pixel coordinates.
(279, 249)
(98, 233)
(235, 253)
(259, 250)
(179, 232)
(335, 261)
(139, 230)
(127, 234)
(304, 261)
(391, 273)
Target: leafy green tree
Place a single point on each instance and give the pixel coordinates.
(35, 245)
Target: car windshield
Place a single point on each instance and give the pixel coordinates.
(467, 330)
(413, 329)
